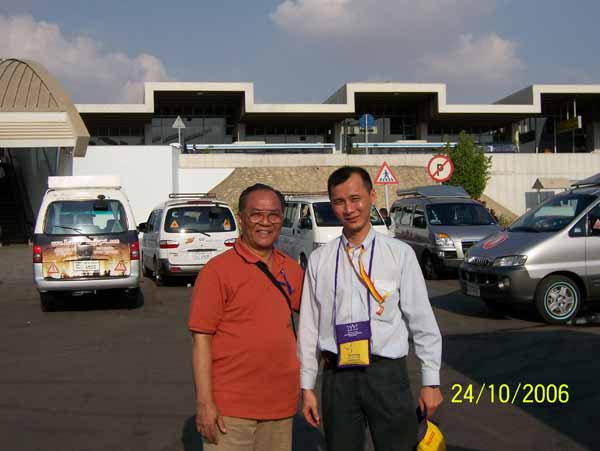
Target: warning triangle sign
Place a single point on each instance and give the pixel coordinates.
(178, 123)
(385, 176)
(174, 224)
(53, 269)
(120, 267)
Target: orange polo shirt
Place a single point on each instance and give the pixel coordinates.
(255, 371)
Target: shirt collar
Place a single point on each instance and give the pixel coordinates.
(366, 242)
(250, 257)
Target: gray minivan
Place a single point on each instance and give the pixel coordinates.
(550, 256)
(440, 222)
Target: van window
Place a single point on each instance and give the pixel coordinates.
(459, 214)
(84, 217)
(325, 217)
(191, 219)
(419, 218)
(289, 214)
(156, 222)
(396, 214)
(149, 223)
(406, 219)
(553, 215)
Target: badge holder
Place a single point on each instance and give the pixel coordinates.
(354, 344)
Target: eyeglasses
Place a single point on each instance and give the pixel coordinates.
(259, 216)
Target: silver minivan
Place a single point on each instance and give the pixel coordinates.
(550, 257)
(440, 222)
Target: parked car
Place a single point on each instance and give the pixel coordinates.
(85, 240)
(183, 233)
(441, 223)
(309, 222)
(550, 257)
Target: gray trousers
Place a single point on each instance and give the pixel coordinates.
(378, 397)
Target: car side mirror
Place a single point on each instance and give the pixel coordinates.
(305, 223)
(142, 227)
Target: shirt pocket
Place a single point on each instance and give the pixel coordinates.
(389, 290)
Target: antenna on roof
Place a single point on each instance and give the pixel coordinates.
(435, 191)
(192, 195)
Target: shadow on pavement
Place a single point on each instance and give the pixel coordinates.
(304, 436)
(100, 301)
(534, 355)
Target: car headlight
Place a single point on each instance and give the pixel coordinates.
(443, 240)
(511, 260)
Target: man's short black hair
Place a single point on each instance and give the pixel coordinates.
(342, 174)
(258, 187)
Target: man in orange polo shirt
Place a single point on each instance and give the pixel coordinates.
(246, 371)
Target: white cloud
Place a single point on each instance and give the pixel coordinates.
(88, 73)
(488, 58)
(376, 19)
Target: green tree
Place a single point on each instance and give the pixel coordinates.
(471, 165)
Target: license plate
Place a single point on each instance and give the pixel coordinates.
(472, 289)
(201, 257)
(86, 266)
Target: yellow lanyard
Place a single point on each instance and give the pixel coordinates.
(364, 277)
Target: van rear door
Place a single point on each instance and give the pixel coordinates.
(193, 234)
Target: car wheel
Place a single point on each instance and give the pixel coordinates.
(428, 266)
(146, 272)
(133, 298)
(47, 302)
(558, 299)
(157, 275)
(303, 262)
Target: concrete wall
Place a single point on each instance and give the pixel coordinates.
(147, 172)
(150, 173)
(512, 174)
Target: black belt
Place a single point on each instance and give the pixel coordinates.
(330, 359)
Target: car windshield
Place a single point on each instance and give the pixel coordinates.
(199, 219)
(325, 217)
(85, 217)
(459, 214)
(553, 215)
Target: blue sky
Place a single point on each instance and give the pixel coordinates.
(303, 50)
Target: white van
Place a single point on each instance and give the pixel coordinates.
(85, 240)
(309, 222)
(183, 233)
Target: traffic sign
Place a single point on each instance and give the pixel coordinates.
(366, 121)
(440, 168)
(178, 123)
(385, 176)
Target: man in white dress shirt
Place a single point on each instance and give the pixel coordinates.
(363, 295)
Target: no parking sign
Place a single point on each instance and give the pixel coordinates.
(440, 168)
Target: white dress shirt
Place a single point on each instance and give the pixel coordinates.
(395, 273)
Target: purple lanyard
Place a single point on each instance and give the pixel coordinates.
(337, 265)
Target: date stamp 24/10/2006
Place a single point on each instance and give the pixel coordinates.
(507, 394)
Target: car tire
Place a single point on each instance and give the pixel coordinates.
(428, 266)
(146, 272)
(157, 275)
(47, 302)
(558, 299)
(303, 261)
(133, 298)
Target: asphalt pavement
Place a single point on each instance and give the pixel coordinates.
(98, 376)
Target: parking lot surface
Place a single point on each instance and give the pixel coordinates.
(98, 376)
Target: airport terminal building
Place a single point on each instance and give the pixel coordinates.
(228, 139)
(223, 117)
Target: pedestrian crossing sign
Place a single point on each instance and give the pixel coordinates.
(385, 176)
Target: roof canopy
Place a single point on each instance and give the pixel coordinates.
(35, 111)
